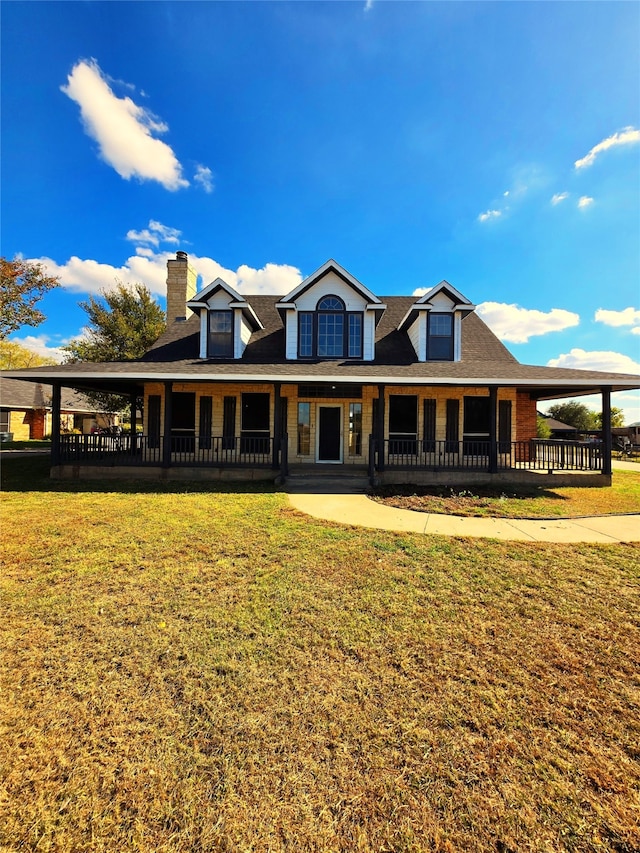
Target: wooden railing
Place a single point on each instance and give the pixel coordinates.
(219, 451)
(536, 454)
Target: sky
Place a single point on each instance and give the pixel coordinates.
(494, 145)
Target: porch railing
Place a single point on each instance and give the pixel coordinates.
(216, 451)
(266, 451)
(535, 454)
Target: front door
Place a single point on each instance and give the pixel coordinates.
(329, 434)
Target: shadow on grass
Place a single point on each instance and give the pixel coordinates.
(31, 474)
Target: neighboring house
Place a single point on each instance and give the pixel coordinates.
(25, 411)
(558, 429)
(329, 375)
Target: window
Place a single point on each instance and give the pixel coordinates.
(355, 429)
(355, 336)
(330, 332)
(304, 429)
(403, 423)
(220, 334)
(440, 337)
(305, 334)
(255, 423)
(5, 420)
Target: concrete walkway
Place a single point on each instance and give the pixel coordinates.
(353, 507)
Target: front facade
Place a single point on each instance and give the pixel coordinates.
(332, 376)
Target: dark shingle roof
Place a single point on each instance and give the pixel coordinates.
(18, 394)
(485, 360)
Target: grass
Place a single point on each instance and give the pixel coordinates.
(193, 670)
(522, 502)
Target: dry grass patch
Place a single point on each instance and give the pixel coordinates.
(622, 497)
(210, 671)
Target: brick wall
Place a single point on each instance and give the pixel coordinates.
(526, 417)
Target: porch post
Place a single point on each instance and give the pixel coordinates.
(493, 429)
(134, 420)
(166, 448)
(606, 430)
(379, 428)
(277, 424)
(56, 404)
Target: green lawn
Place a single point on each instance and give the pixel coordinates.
(193, 670)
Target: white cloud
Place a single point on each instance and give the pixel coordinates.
(89, 276)
(627, 317)
(204, 178)
(149, 267)
(489, 214)
(585, 201)
(613, 362)
(558, 197)
(155, 234)
(123, 130)
(626, 136)
(40, 344)
(516, 325)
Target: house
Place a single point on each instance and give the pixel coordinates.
(400, 387)
(558, 429)
(26, 409)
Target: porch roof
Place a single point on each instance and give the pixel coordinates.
(485, 361)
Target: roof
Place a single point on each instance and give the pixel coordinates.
(484, 361)
(558, 426)
(21, 395)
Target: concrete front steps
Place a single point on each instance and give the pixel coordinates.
(329, 480)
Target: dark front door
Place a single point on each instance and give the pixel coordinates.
(329, 433)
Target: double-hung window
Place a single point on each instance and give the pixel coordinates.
(440, 337)
(220, 334)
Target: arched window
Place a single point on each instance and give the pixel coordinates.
(330, 303)
(330, 327)
(330, 331)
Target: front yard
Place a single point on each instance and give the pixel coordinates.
(194, 670)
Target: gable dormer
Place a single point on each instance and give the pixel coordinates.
(330, 315)
(226, 320)
(434, 323)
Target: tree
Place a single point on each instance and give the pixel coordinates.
(13, 356)
(575, 414)
(543, 428)
(617, 418)
(122, 324)
(24, 283)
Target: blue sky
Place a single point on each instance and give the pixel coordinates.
(494, 145)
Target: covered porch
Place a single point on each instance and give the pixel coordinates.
(395, 438)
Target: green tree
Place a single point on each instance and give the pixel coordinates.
(543, 428)
(575, 414)
(13, 356)
(122, 324)
(23, 284)
(617, 418)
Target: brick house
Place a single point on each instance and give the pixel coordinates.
(26, 411)
(404, 388)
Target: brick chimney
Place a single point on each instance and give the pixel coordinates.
(181, 286)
